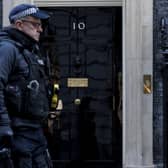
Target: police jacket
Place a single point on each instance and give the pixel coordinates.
(23, 80)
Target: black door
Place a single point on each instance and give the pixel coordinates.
(84, 45)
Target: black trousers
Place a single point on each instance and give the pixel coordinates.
(29, 149)
(5, 158)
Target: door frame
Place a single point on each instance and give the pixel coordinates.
(137, 43)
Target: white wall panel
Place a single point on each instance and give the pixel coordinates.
(78, 3)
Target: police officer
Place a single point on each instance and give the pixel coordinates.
(23, 88)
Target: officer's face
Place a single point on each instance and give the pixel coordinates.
(30, 26)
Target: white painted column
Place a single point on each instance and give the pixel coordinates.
(137, 106)
(7, 5)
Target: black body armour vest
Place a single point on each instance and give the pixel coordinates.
(27, 97)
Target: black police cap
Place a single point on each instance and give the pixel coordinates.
(24, 10)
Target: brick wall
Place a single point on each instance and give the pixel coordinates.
(159, 117)
(0, 13)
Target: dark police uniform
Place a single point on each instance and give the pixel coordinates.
(23, 98)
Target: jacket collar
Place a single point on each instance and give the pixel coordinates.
(20, 37)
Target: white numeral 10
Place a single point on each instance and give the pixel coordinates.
(80, 26)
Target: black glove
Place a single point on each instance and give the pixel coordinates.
(6, 135)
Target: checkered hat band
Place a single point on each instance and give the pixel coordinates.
(24, 13)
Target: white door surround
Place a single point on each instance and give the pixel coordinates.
(137, 62)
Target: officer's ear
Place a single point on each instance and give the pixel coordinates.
(18, 24)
